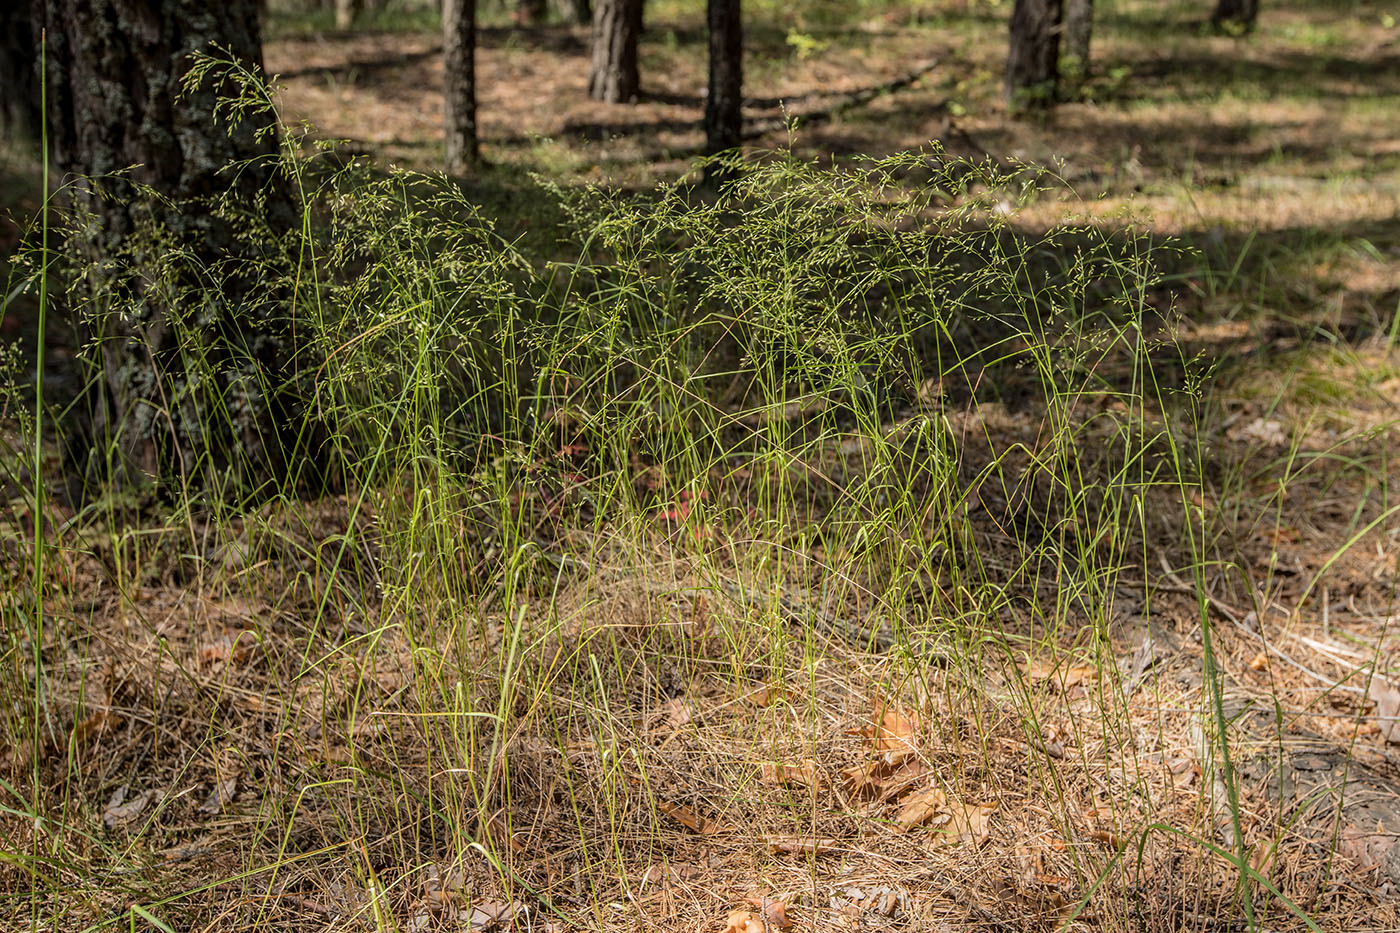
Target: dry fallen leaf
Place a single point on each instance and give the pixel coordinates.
(687, 817)
(895, 781)
(674, 714)
(741, 921)
(894, 736)
(92, 727)
(1059, 675)
(925, 807)
(781, 775)
(953, 820)
(971, 824)
(229, 649)
(764, 696)
(496, 827)
(1106, 837)
(120, 811)
(220, 796)
(1368, 849)
(774, 911)
(1387, 700)
(493, 914)
(800, 845)
(861, 778)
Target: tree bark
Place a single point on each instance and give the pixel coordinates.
(19, 73)
(725, 98)
(459, 71)
(1033, 64)
(1236, 15)
(347, 12)
(193, 361)
(613, 76)
(531, 12)
(1078, 33)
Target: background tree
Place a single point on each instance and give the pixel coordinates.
(191, 359)
(459, 80)
(19, 73)
(350, 12)
(617, 25)
(583, 11)
(347, 12)
(1236, 15)
(532, 12)
(1033, 64)
(724, 101)
(1078, 32)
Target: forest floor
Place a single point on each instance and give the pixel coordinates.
(686, 753)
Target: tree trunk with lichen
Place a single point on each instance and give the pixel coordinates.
(1033, 62)
(191, 361)
(613, 76)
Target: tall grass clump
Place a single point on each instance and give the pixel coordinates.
(833, 417)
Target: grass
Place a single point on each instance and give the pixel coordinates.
(875, 537)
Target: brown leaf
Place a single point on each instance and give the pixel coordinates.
(227, 650)
(861, 778)
(895, 781)
(220, 796)
(93, 727)
(928, 806)
(1107, 838)
(1368, 849)
(781, 775)
(687, 817)
(971, 824)
(953, 820)
(800, 845)
(1062, 676)
(496, 827)
(741, 921)
(774, 911)
(493, 914)
(1387, 700)
(120, 811)
(894, 736)
(764, 696)
(677, 713)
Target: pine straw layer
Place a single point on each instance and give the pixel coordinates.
(671, 752)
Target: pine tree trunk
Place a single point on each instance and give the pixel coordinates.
(1237, 15)
(194, 364)
(613, 76)
(724, 101)
(459, 69)
(1033, 64)
(346, 13)
(19, 73)
(1078, 33)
